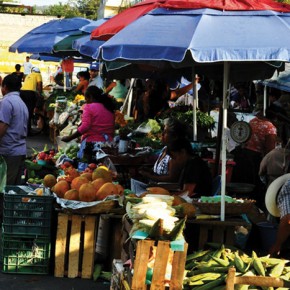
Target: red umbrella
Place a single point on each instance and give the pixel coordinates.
(118, 22)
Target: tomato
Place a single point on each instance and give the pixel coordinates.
(67, 164)
(92, 166)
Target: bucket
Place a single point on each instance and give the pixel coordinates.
(268, 232)
(123, 146)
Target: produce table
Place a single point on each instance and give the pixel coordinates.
(212, 231)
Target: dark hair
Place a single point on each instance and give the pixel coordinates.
(12, 83)
(176, 128)
(84, 74)
(177, 145)
(100, 97)
(18, 66)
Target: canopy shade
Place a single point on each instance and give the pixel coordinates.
(280, 82)
(84, 45)
(66, 44)
(118, 22)
(208, 37)
(43, 38)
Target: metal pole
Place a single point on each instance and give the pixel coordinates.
(195, 99)
(224, 138)
(265, 101)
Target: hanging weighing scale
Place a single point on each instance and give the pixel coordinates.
(240, 131)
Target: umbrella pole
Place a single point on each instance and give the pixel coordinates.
(195, 97)
(265, 101)
(224, 138)
(64, 81)
(128, 100)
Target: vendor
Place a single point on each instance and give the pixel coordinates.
(195, 177)
(83, 77)
(98, 119)
(282, 246)
(165, 169)
(118, 90)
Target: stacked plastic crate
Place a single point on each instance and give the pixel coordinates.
(26, 231)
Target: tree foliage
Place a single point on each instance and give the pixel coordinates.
(83, 8)
(62, 10)
(5, 8)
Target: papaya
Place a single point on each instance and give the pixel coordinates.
(157, 190)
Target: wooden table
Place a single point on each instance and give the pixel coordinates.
(200, 231)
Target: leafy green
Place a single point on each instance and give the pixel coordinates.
(184, 115)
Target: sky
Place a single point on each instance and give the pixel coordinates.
(41, 2)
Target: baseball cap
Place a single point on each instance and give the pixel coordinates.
(94, 66)
(35, 69)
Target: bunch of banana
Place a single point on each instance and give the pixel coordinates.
(155, 216)
(207, 269)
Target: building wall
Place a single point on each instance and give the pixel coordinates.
(14, 26)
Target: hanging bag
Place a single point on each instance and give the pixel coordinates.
(3, 174)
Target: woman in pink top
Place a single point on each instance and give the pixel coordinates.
(98, 118)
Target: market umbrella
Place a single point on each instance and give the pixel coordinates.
(67, 44)
(209, 37)
(121, 20)
(84, 45)
(43, 38)
(57, 58)
(202, 38)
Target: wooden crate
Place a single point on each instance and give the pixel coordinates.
(75, 246)
(163, 253)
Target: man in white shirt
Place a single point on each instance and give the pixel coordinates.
(27, 66)
(95, 78)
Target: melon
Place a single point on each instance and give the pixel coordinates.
(87, 192)
(49, 180)
(100, 172)
(157, 190)
(87, 175)
(72, 194)
(60, 188)
(178, 200)
(106, 189)
(97, 183)
(78, 181)
(120, 189)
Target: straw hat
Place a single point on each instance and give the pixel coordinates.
(271, 194)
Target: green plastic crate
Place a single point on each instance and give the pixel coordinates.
(24, 255)
(26, 214)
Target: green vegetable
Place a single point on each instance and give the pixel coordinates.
(97, 271)
(177, 230)
(277, 270)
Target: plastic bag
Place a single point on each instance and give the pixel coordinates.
(103, 158)
(3, 174)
